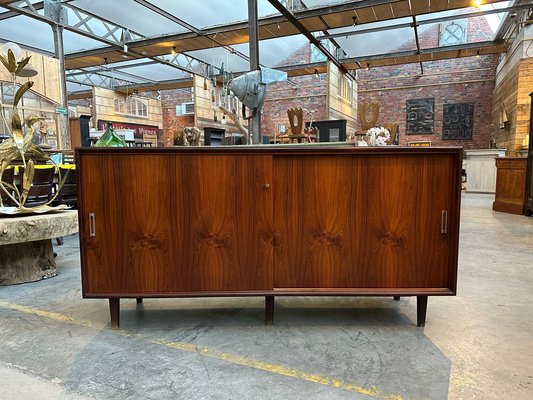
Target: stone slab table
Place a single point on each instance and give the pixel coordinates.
(26, 252)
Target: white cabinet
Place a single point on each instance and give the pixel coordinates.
(481, 170)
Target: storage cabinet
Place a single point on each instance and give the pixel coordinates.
(294, 220)
(510, 185)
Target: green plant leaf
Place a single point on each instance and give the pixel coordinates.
(12, 61)
(22, 64)
(5, 62)
(20, 92)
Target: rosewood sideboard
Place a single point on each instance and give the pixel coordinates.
(285, 220)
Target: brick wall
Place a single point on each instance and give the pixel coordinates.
(461, 80)
(170, 99)
(310, 94)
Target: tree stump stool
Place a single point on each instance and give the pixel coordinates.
(26, 253)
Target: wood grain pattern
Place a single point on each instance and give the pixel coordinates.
(289, 221)
(333, 232)
(204, 225)
(510, 185)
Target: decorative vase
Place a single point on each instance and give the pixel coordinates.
(110, 138)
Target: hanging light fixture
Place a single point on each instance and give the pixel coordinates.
(316, 74)
(477, 54)
(354, 19)
(174, 50)
(28, 71)
(477, 3)
(368, 66)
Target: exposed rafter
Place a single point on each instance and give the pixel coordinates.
(314, 19)
(112, 36)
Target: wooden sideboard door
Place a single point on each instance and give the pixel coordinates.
(409, 219)
(136, 205)
(318, 221)
(372, 221)
(127, 244)
(223, 212)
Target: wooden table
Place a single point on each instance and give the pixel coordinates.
(26, 252)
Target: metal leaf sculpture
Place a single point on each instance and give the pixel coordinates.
(19, 145)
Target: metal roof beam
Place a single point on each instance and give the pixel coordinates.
(298, 25)
(415, 28)
(212, 31)
(190, 27)
(105, 70)
(186, 63)
(509, 21)
(426, 21)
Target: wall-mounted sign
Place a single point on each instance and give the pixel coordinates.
(139, 129)
(458, 121)
(61, 110)
(420, 116)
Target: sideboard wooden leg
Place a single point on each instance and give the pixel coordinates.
(396, 298)
(139, 300)
(421, 307)
(114, 310)
(269, 310)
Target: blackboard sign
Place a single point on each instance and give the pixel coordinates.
(420, 116)
(458, 121)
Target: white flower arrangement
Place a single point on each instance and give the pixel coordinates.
(378, 136)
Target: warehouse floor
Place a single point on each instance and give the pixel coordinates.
(477, 345)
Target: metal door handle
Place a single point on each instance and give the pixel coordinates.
(92, 229)
(444, 221)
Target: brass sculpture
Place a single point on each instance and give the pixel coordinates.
(19, 145)
(366, 124)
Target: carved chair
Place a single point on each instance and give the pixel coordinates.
(41, 189)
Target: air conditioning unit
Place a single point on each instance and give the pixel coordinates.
(185, 108)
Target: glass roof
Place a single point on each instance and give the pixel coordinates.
(284, 51)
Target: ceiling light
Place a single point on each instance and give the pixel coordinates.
(477, 54)
(105, 60)
(174, 50)
(368, 66)
(316, 74)
(477, 3)
(125, 48)
(354, 19)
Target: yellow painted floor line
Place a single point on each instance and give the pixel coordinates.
(278, 369)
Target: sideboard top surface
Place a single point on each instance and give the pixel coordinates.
(275, 150)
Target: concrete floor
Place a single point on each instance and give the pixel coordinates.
(477, 345)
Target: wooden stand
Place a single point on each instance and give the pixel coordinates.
(510, 185)
(26, 252)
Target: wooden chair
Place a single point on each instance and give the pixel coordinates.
(69, 192)
(41, 189)
(7, 177)
(150, 138)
